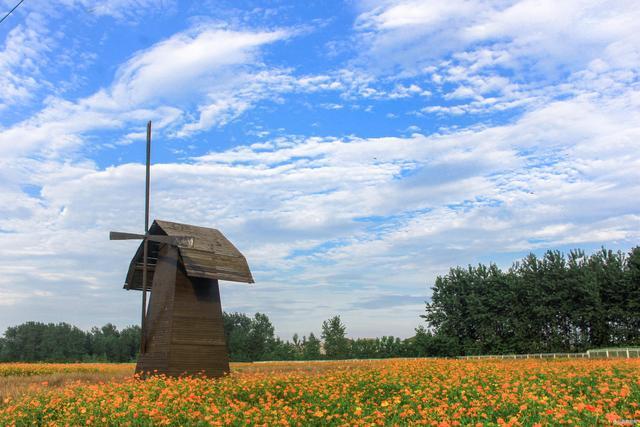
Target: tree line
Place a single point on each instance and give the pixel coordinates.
(253, 339)
(554, 303)
(248, 339)
(49, 342)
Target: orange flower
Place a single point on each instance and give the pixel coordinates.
(612, 416)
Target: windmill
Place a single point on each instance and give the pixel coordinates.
(180, 264)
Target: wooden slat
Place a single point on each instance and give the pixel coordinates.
(235, 261)
(207, 239)
(159, 316)
(190, 265)
(235, 269)
(199, 342)
(150, 267)
(219, 276)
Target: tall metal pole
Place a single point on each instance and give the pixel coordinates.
(145, 243)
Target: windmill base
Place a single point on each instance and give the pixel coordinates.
(184, 326)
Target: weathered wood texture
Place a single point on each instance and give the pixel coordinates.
(209, 255)
(185, 333)
(197, 339)
(160, 314)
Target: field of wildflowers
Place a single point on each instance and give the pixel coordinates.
(386, 392)
(33, 369)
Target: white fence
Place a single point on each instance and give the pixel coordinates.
(604, 353)
(615, 352)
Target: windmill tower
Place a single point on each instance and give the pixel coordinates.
(180, 264)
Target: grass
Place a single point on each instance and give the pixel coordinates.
(17, 379)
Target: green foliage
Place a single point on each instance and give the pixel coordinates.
(556, 303)
(237, 327)
(336, 345)
(35, 341)
(262, 337)
(282, 350)
(311, 348)
(249, 339)
(109, 345)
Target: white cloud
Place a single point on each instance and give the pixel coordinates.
(496, 55)
(123, 10)
(240, 92)
(187, 63)
(418, 14)
(157, 83)
(563, 33)
(330, 219)
(22, 57)
(36, 48)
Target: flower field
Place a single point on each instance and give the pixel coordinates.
(33, 369)
(387, 392)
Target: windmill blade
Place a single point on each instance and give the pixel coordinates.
(184, 241)
(161, 239)
(117, 235)
(145, 244)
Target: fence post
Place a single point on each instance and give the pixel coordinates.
(627, 353)
(607, 354)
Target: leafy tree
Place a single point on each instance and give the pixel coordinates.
(282, 350)
(336, 345)
(555, 303)
(631, 329)
(365, 348)
(249, 339)
(311, 348)
(261, 337)
(297, 344)
(237, 328)
(129, 344)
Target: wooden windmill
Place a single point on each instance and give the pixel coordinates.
(182, 329)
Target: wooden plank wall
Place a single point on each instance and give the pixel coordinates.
(197, 336)
(160, 314)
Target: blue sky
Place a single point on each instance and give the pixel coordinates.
(353, 150)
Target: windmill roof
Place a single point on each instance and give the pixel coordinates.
(209, 255)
